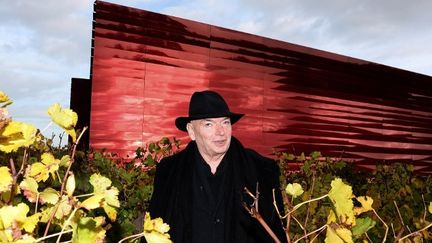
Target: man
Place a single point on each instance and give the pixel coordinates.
(200, 192)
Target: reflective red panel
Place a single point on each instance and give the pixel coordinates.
(297, 99)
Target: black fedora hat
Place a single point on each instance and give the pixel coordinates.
(206, 104)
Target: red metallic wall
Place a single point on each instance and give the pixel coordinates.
(145, 66)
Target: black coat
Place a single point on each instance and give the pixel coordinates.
(172, 195)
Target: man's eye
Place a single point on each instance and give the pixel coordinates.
(208, 124)
(227, 122)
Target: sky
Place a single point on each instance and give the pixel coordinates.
(44, 43)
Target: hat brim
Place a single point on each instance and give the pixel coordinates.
(181, 122)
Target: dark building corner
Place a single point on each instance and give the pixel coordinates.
(80, 103)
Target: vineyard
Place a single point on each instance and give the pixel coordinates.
(54, 193)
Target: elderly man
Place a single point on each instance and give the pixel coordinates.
(200, 192)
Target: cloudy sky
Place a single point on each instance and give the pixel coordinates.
(44, 43)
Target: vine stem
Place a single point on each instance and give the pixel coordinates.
(382, 221)
(399, 214)
(303, 203)
(413, 233)
(425, 207)
(280, 216)
(265, 225)
(310, 197)
(66, 224)
(312, 232)
(63, 185)
(136, 236)
(85, 195)
(253, 211)
(47, 126)
(17, 174)
(53, 235)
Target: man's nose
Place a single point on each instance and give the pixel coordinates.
(220, 129)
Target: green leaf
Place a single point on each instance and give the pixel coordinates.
(294, 190)
(362, 226)
(88, 230)
(341, 197)
(65, 161)
(289, 157)
(302, 157)
(49, 195)
(6, 179)
(315, 155)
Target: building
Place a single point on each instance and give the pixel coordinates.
(146, 65)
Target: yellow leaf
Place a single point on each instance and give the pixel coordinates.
(42, 170)
(10, 215)
(31, 222)
(38, 171)
(15, 135)
(110, 211)
(88, 230)
(65, 161)
(5, 235)
(5, 179)
(331, 236)
(155, 230)
(65, 118)
(45, 213)
(430, 207)
(341, 196)
(294, 190)
(111, 197)
(331, 218)
(26, 239)
(345, 234)
(156, 237)
(30, 189)
(48, 158)
(148, 223)
(366, 203)
(64, 208)
(337, 233)
(70, 185)
(3, 97)
(160, 226)
(92, 202)
(52, 164)
(49, 195)
(99, 183)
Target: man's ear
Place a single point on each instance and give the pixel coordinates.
(190, 130)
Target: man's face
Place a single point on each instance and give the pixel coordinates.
(212, 135)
